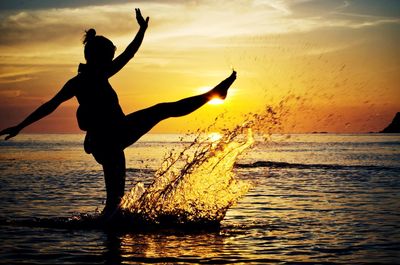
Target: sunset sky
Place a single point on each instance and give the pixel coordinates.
(339, 59)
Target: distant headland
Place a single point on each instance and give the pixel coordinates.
(394, 126)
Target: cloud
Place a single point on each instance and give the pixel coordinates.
(60, 24)
(62, 21)
(50, 4)
(10, 93)
(332, 48)
(15, 74)
(54, 35)
(372, 8)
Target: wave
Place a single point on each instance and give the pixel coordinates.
(140, 170)
(275, 164)
(122, 222)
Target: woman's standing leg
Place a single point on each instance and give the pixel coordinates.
(114, 176)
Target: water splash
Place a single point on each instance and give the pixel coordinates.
(198, 185)
(195, 186)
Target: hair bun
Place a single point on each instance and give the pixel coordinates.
(89, 35)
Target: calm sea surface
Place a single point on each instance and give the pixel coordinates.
(316, 198)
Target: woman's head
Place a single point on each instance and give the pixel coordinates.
(98, 49)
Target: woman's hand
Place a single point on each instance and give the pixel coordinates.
(142, 23)
(12, 131)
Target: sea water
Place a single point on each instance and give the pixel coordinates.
(315, 198)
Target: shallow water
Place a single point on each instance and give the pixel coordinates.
(333, 199)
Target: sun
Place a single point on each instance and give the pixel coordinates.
(215, 100)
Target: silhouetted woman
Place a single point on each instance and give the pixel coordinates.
(108, 130)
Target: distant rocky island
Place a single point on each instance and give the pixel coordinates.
(394, 126)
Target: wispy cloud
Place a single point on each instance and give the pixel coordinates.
(50, 4)
(332, 48)
(53, 35)
(17, 74)
(209, 19)
(10, 93)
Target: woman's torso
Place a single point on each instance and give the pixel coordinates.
(99, 107)
(99, 112)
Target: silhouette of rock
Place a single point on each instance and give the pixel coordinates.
(394, 126)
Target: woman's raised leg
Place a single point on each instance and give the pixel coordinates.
(140, 122)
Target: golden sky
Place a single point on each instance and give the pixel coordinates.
(339, 58)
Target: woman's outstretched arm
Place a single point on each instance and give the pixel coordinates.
(119, 62)
(64, 94)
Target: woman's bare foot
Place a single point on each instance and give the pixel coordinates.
(221, 90)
